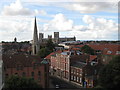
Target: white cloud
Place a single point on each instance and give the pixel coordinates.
(71, 0)
(60, 23)
(20, 27)
(17, 8)
(92, 7)
(96, 28)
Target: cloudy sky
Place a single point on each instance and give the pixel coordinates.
(93, 20)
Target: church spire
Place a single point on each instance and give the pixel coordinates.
(35, 35)
(35, 44)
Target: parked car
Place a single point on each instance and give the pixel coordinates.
(56, 86)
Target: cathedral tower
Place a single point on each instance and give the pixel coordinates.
(35, 43)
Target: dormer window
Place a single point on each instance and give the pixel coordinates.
(109, 52)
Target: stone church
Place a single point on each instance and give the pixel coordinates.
(36, 42)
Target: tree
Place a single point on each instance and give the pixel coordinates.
(44, 52)
(50, 45)
(21, 82)
(109, 75)
(87, 49)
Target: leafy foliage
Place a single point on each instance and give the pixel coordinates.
(21, 82)
(46, 50)
(50, 45)
(87, 49)
(109, 76)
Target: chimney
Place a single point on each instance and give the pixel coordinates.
(87, 61)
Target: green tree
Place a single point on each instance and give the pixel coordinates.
(109, 75)
(87, 49)
(44, 52)
(50, 45)
(20, 82)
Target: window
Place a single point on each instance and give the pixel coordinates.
(80, 80)
(23, 74)
(19, 67)
(109, 52)
(16, 73)
(117, 52)
(39, 79)
(71, 77)
(39, 73)
(74, 71)
(74, 78)
(32, 74)
(32, 78)
(6, 75)
(71, 70)
(35, 65)
(77, 79)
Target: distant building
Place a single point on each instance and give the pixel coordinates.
(27, 66)
(56, 38)
(107, 51)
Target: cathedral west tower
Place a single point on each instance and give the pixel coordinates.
(35, 43)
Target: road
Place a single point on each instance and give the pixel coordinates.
(58, 83)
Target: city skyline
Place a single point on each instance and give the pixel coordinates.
(85, 20)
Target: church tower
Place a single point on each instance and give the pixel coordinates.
(35, 43)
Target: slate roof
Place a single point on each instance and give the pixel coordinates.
(10, 61)
(78, 64)
(79, 58)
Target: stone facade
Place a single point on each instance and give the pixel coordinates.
(35, 43)
(56, 38)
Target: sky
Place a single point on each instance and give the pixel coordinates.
(93, 20)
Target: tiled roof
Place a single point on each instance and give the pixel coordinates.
(49, 56)
(103, 47)
(24, 60)
(92, 57)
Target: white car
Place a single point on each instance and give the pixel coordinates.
(56, 86)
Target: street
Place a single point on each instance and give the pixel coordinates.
(58, 83)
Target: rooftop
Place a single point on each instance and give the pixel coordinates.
(10, 61)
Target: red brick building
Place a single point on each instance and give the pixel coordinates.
(27, 66)
(72, 66)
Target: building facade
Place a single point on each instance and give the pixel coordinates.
(27, 66)
(74, 67)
